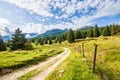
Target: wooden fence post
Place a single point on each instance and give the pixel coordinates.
(80, 48)
(83, 49)
(94, 59)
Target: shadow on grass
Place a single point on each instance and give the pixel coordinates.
(35, 60)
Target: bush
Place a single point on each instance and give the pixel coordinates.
(28, 46)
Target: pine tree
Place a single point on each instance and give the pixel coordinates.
(2, 44)
(8, 43)
(84, 34)
(41, 41)
(50, 41)
(78, 34)
(36, 41)
(90, 34)
(113, 30)
(46, 42)
(18, 40)
(56, 40)
(60, 39)
(106, 31)
(70, 36)
(96, 31)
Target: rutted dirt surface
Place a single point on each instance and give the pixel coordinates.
(43, 74)
(14, 75)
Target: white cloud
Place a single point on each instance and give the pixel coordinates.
(42, 7)
(28, 36)
(32, 28)
(108, 8)
(103, 9)
(4, 31)
(4, 22)
(56, 26)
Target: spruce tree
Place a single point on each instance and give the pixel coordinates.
(113, 30)
(84, 34)
(2, 44)
(50, 41)
(60, 39)
(90, 33)
(41, 41)
(36, 41)
(106, 31)
(45, 42)
(70, 36)
(8, 43)
(18, 40)
(96, 31)
(56, 40)
(78, 34)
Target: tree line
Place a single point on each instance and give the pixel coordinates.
(95, 31)
(19, 41)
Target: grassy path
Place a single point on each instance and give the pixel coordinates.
(47, 71)
(14, 75)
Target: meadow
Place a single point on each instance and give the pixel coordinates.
(11, 60)
(77, 67)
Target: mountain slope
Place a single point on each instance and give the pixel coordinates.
(53, 32)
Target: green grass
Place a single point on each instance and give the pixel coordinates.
(73, 69)
(11, 60)
(107, 64)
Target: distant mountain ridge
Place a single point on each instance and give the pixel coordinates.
(52, 32)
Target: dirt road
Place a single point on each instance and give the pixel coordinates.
(41, 76)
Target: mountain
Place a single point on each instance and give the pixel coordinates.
(5, 38)
(52, 32)
(30, 35)
(27, 35)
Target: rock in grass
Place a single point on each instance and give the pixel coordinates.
(84, 60)
(61, 71)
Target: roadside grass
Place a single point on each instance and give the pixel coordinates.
(11, 60)
(107, 63)
(32, 73)
(73, 69)
(108, 56)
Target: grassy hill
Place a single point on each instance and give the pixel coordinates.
(53, 32)
(75, 67)
(11, 60)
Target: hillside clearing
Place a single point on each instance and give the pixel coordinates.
(108, 61)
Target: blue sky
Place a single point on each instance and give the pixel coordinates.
(37, 16)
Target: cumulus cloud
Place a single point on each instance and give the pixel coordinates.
(4, 31)
(32, 28)
(104, 8)
(40, 7)
(88, 11)
(4, 22)
(28, 36)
